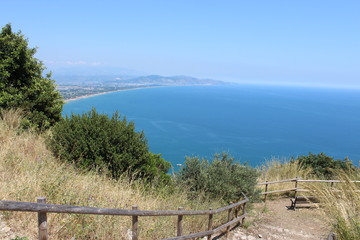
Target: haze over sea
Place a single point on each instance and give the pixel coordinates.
(252, 123)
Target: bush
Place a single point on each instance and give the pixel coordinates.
(322, 165)
(22, 84)
(95, 141)
(221, 178)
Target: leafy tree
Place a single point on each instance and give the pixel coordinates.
(22, 84)
(323, 165)
(221, 178)
(95, 141)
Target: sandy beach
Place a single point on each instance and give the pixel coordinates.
(97, 94)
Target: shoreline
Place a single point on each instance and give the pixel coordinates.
(102, 93)
(127, 89)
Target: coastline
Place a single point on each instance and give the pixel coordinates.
(102, 93)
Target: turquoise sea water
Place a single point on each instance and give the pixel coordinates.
(252, 123)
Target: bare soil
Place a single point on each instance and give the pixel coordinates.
(274, 221)
(5, 231)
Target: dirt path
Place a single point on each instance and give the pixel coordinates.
(5, 231)
(276, 222)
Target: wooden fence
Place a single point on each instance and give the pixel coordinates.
(296, 188)
(42, 208)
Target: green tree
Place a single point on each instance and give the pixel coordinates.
(22, 84)
(220, 178)
(95, 141)
(323, 166)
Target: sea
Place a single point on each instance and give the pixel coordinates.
(251, 123)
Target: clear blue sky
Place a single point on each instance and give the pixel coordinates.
(259, 41)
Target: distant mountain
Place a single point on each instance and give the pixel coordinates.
(124, 80)
(170, 81)
(73, 86)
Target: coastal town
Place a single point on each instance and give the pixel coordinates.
(74, 87)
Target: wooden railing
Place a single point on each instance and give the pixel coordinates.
(296, 185)
(42, 208)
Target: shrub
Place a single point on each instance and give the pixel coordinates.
(22, 84)
(95, 141)
(221, 178)
(323, 165)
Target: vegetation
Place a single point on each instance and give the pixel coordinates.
(323, 166)
(38, 173)
(22, 84)
(95, 141)
(340, 201)
(220, 178)
(280, 169)
(342, 207)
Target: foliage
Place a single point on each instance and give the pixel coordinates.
(29, 170)
(323, 165)
(95, 141)
(22, 84)
(341, 206)
(221, 178)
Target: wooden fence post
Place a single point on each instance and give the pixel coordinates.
(42, 221)
(179, 223)
(210, 224)
(266, 189)
(135, 224)
(236, 212)
(296, 186)
(332, 236)
(243, 212)
(229, 219)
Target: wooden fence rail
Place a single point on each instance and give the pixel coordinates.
(42, 208)
(296, 188)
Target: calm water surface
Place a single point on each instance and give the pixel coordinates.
(253, 123)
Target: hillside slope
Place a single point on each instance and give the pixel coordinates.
(28, 170)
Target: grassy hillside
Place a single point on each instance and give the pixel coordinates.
(28, 170)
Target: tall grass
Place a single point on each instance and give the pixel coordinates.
(280, 169)
(341, 204)
(28, 170)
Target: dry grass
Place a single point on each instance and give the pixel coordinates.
(28, 170)
(340, 201)
(341, 204)
(281, 169)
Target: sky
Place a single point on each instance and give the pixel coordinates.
(290, 42)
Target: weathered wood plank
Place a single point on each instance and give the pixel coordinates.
(54, 208)
(180, 223)
(280, 181)
(135, 225)
(325, 181)
(210, 225)
(277, 191)
(42, 222)
(211, 232)
(229, 206)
